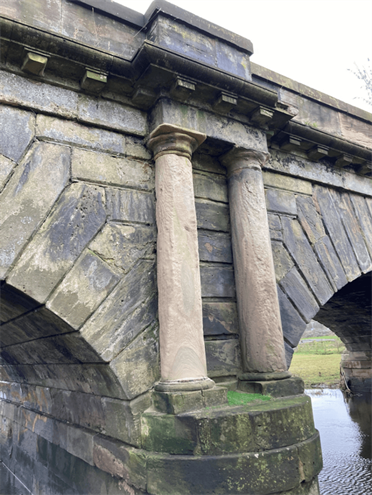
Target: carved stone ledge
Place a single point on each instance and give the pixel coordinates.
(35, 63)
(93, 81)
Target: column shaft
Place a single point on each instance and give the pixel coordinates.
(182, 351)
(258, 307)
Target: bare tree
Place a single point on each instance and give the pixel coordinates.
(364, 74)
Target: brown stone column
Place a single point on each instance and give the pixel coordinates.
(258, 307)
(182, 351)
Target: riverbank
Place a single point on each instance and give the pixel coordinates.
(317, 361)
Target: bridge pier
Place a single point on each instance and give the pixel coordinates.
(143, 386)
(356, 368)
(190, 416)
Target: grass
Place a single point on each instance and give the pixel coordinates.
(323, 345)
(240, 398)
(318, 363)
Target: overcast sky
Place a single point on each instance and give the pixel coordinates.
(314, 42)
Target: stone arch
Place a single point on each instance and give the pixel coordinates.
(348, 315)
(322, 248)
(78, 305)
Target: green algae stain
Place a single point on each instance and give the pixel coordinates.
(240, 398)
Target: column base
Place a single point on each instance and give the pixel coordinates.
(185, 385)
(279, 375)
(179, 402)
(283, 387)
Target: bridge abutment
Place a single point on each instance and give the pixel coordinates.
(138, 308)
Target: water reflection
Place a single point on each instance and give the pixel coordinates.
(345, 434)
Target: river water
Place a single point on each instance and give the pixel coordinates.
(344, 425)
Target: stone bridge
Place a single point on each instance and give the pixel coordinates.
(149, 171)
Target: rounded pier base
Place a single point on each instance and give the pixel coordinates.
(258, 448)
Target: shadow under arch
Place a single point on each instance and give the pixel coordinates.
(39, 349)
(348, 315)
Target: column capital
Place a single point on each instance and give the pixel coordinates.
(239, 158)
(171, 139)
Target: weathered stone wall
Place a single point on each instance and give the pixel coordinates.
(79, 332)
(322, 241)
(78, 306)
(220, 320)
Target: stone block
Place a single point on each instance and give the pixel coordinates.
(212, 216)
(123, 418)
(282, 260)
(112, 115)
(17, 90)
(119, 460)
(34, 63)
(124, 245)
(350, 222)
(137, 366)
(215, 247)
(211, 186)
(83, 289)
(13, 303)
(207, 163)
(223, 357)
(131, 206)
(365, 220)
(220, 318)
(274, 388)
(261, 116)
(130, 308)
(332, 221)
(107, 169)
(177, 402)
(135, 148)
(28, 197)
(321, 173)
(228, 430)
(80, 443)
(78, 216)
(185, 40)
(302, 252)
(288, 183)
(97, 379)
(292, 323)
(215, 126)
(6, 166)
(73, 407)
(297, 291)
(276, 467)
(144, 97)
(281, 201)
(217, 281)
(70, 348)
(288, 354)
(310, 456)
(330, 262)
(19, 123)
(33, 325)
(275, 227)
(310, 219)
(93, 81)
(72, 133)
(102, 32)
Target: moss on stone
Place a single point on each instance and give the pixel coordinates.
(241, 398)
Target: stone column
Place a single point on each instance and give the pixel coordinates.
(258, 307)
(182, 351)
